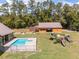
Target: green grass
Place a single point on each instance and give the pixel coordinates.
(46, 49)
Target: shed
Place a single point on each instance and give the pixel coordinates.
(50, 27)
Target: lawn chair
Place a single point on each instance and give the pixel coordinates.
(67, 38)
(53, 36)
(63, 41)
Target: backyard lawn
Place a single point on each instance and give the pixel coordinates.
(47, 49)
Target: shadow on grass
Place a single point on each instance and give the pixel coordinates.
(60, 42)
(56, 41)
(1, 53)
(51, 39)
(3, 50)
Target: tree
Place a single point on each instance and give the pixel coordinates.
(32, 6)
(17, 16)
(5, 8)
(66, 10)
(21, 7)
(14, 7)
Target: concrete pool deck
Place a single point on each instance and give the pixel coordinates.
(30, 46)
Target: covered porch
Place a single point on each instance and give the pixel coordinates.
(6, 34)
(5, 39)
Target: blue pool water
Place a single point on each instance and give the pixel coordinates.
(21, 42)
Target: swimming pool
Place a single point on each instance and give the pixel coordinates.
(21, 42)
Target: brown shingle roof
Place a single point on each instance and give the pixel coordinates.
(4, 30)
(50, 25)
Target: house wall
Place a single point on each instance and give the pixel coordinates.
(57, 30)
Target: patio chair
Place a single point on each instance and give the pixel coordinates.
(63, 42)
(67, 38)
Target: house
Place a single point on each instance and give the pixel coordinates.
(49, 27)
(6, 34)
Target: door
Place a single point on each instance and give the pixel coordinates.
(49, 30)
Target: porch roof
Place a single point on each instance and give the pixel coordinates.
(4, 30)
(49, 25)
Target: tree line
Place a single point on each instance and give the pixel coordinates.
(20, 15)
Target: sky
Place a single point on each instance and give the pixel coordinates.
(70, 2)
